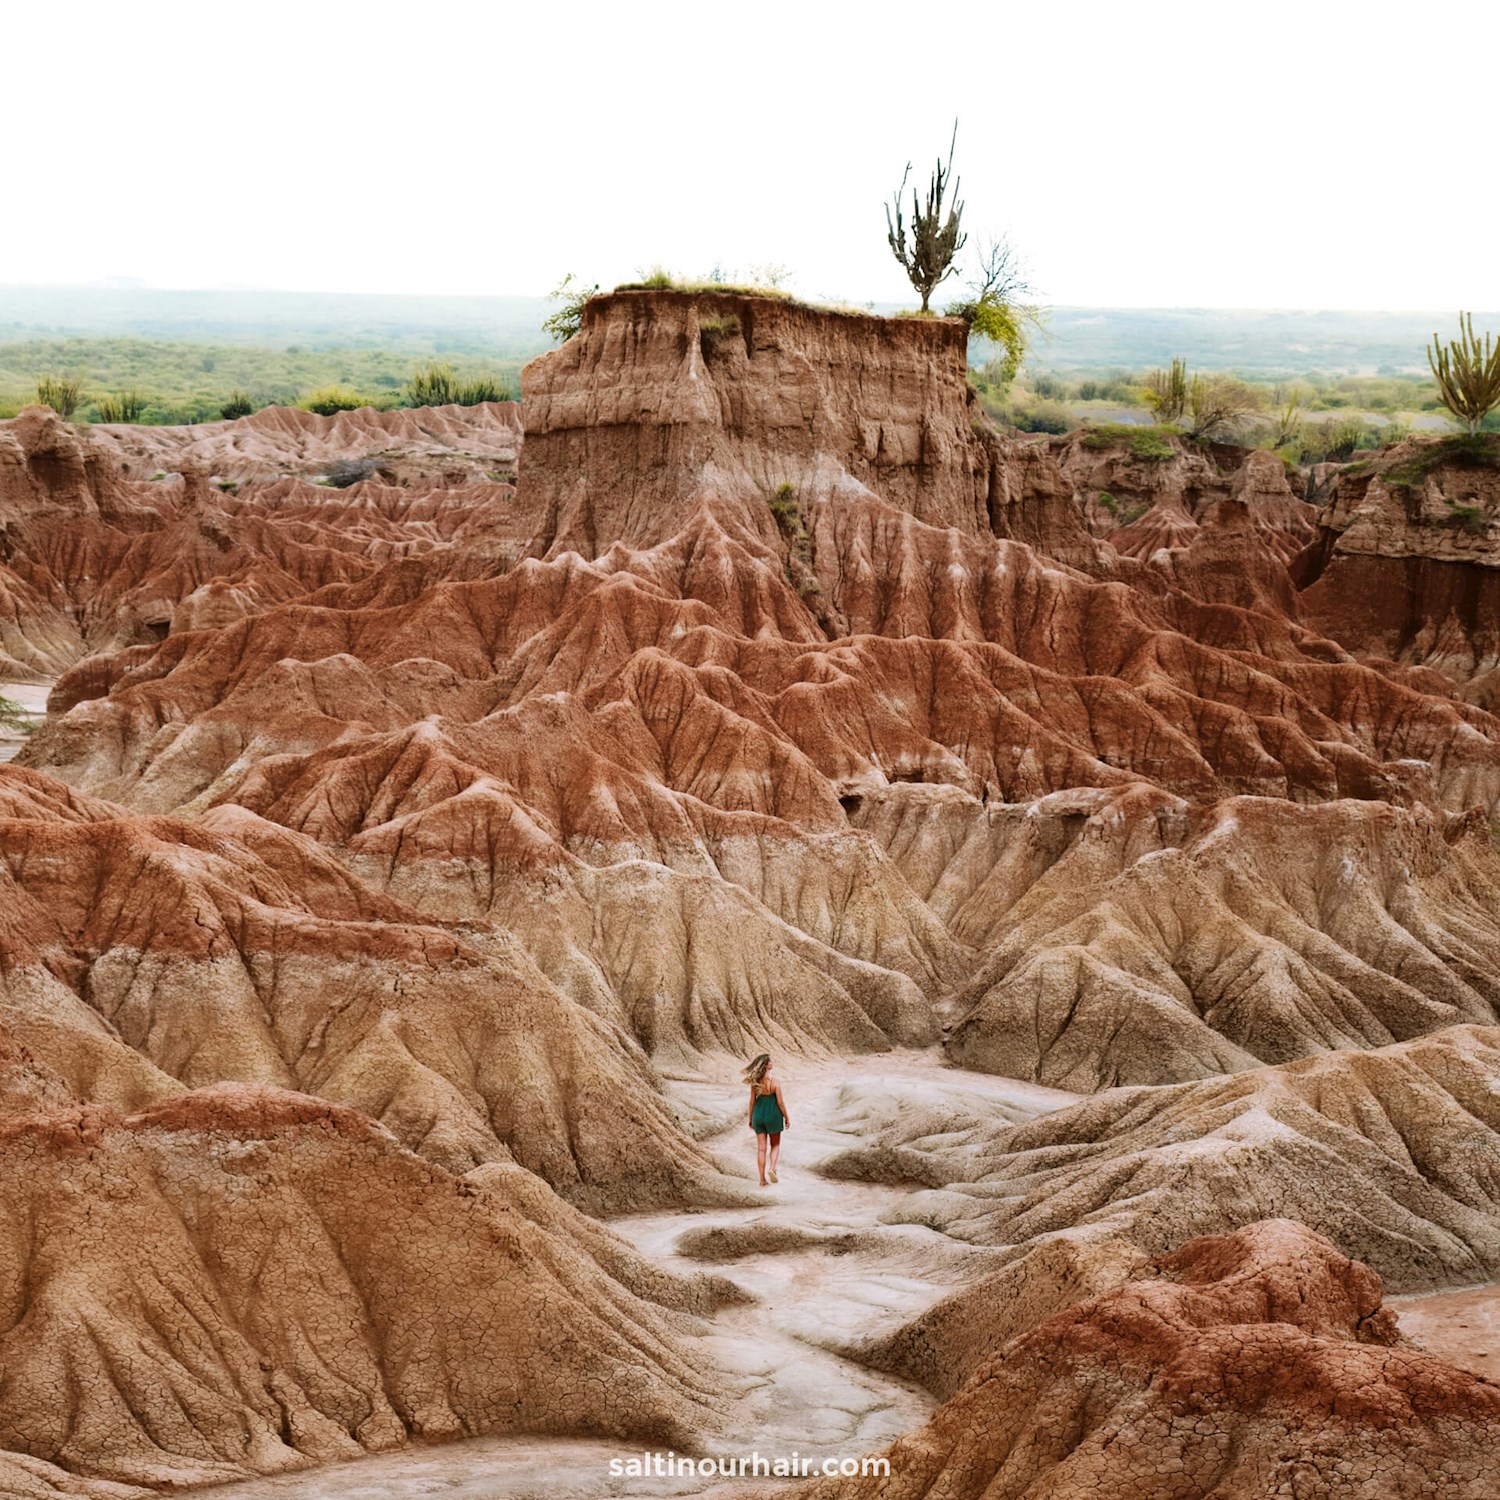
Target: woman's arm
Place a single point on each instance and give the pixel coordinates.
(786, 1119)
(750, 1113)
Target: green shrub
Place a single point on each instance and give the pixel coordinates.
(1151, 443)
(783, 503)
(238, 405)
(1108, 435)
(712, 331)
(62, 393)
(126, 407)
(1336, 439)
(333, 399)
(1471, 517)
(437, 385)
(568, 319)
(1042, 416)
(1469, 451)
(13, 718)
(1122, 512)
(787, 511)
(483, 388)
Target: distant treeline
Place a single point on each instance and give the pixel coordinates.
(171, 383)
(1259, 345)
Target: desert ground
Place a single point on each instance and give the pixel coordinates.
(398, 874)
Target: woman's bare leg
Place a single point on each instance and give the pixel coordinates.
(775, 1157)
(760, 1156)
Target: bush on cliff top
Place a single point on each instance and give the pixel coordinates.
(1153, 443)
(660, 280)
(124, 408)
(437, 385)
(333, 399)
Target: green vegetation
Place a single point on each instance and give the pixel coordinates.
(126, 407)
(1478, 450)
(171, 384)
(712, 331)
(1467, 374)
(1307, 420)
(180, 382)
(1471, 517)
(332, 399)
(1124, 514)
(567, 317)
(437, 385)
(994, 310)
(1289, 412)
(13, 718)
(935, 239)
(1153, 443)
(1220, 407)
(1038, 416)
(659, 280)
(1167, 391)
(61, 393)
(785, 508)
(787, 511)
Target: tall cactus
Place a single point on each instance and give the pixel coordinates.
(1467, 374)
(935, 241)
(1167, 391)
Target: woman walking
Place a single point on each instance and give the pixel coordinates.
(768, 1116)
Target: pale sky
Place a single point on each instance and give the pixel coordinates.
(1199, 154)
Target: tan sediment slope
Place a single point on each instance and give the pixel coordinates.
(141, 956)
(243, 1280)
(1392, 1154)
(1132, 937)
(278, 439)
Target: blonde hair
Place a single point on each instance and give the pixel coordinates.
(757, 1069)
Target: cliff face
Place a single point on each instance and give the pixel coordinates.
(664, 398)
(1407, 565)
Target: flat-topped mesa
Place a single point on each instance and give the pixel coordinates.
(664, 398)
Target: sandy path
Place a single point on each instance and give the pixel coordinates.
(847, 1276)
(1461, 1327)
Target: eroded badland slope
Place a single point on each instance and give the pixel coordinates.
(386, 851)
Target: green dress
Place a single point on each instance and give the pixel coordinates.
(766, 1117)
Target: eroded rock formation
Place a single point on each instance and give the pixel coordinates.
(1407, 563)
(780, 705)
(1257, 1363)
(242, 1280)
